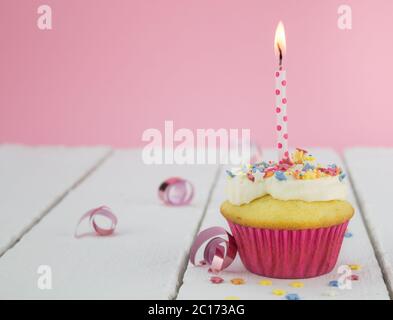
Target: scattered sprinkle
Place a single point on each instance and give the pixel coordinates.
(297, 284)
(279, 292)
(232, 298)
(354, 266)
(333, 283)
(238, 281)
(230, 174)
(292, 296)
(265, 282)
(348, 234)
(216, 280)
(354, 277)
(342, 176)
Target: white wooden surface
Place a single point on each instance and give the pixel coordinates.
(372, 172)
(144, 259)
(32, 180)
(356, 250)
(147, 256)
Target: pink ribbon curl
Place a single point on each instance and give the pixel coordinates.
(176, 191)
(219, 253)
(91, 215)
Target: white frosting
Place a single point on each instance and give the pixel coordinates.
(323, 189)
(241, 190)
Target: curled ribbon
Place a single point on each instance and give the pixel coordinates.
(91, 215)
(219, 253)
(176, 191)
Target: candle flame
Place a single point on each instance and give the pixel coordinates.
(279, 40)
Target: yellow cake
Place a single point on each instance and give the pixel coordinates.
(267, 212)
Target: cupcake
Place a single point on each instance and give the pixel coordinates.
(288, 218)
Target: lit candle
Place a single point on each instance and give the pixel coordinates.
(280, 92)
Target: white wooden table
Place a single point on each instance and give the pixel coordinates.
(45, 190)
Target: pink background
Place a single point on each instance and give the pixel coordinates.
(110, 69)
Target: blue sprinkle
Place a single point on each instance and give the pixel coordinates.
(342, 176)
(308, 166)
(229, 173)
(333, 283)
(260, 169)
(333, 166)
(280, 175)
(292, 296)
(348, 234)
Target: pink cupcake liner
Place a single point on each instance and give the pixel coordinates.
(289, 254)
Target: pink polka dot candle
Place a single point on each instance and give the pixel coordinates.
(281, 96)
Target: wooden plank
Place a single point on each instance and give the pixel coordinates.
(356, 250)
(34, 179)
(371, 172)
(144, 259)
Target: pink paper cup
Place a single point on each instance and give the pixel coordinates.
(289, 254)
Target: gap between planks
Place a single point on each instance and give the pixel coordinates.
(183, 269)
(374, 243)
(185, 259)
(59, 199)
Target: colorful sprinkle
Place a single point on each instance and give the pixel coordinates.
(333, 283)
(250, 177)
(268, 174)
(238, 281)
(230, 174)
(216, 280)
(300, 166)
(297, 284)
(354, 266)
(308, 167)
(280, 176)
(279, 292)
(292, 296)
(348, 234)
(354, 277)
(342, 176)
(265, 282)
